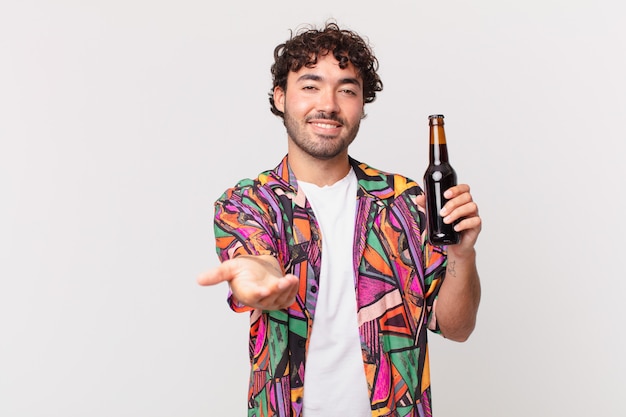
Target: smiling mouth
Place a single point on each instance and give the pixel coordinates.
(325, 121)
(326, 125)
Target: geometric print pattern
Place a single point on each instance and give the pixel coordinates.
(397, 277)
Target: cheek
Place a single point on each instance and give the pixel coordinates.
(297, 105)
(355, 113)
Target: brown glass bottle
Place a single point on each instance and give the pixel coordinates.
(439, 176)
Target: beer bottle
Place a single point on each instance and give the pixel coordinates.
(439, 176)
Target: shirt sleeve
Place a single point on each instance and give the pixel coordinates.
(242, 226)
(431, 259)
(435, 262)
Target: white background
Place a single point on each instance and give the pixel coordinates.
(122, 121)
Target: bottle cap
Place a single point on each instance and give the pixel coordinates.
(435, 119)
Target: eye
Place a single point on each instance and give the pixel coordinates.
(348, 92)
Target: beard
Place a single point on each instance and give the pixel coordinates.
(319, 146)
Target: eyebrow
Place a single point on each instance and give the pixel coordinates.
(314, 77)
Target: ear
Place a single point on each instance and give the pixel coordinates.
(279, 98)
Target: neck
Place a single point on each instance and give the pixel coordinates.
(320, 172)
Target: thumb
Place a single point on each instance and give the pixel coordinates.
(420, 200)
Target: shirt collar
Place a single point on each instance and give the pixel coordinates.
(372, 182)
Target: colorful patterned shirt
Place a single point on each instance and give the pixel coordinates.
(397, 278)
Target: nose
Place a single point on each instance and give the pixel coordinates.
(327, 102)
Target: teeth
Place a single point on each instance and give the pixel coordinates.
(325, 125)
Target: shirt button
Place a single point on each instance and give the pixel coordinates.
(313, 290)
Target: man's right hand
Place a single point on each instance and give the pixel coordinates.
(255, 281)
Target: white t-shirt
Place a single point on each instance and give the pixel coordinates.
(335, 383)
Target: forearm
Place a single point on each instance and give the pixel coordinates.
(459, 296)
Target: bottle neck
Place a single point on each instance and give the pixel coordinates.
(438, 147)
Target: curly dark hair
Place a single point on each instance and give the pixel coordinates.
(310, 43)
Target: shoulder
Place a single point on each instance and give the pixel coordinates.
(383, 184)
(266, 192)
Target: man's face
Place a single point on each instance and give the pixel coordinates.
(322, 107)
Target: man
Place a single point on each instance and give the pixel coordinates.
(330, 256)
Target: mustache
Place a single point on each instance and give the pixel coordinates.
(326, 116)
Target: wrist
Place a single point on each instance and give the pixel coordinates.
(456, 253)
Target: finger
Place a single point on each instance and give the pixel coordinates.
(469, 229)
(282, 295)
(286, 283)
(420, 200)
(456, 191)
(213, 276)
(469, 223)
(290, 284)
(467, 211)
(454, 204)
